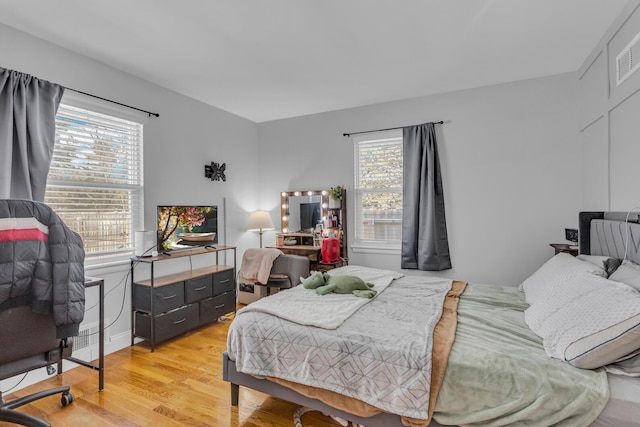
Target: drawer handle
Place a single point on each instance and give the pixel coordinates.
(219, 306)
(201, 289)
(170, 296)
(224, 281)
(179, 321)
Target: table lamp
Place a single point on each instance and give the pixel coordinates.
(259, 221)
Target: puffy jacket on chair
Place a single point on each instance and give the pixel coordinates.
(41, 264)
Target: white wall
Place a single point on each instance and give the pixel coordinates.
(609, 125)
(510, 160)
(187, 135)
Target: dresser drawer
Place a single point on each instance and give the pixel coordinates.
(198, 289)
(212, 308)
(223, 282)
(169, 324)
(165, 298)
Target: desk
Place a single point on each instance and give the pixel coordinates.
(310, 251)
(314, 253)
(89, 283)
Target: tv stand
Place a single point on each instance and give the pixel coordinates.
(164, 307)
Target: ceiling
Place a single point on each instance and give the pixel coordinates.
(272, 59)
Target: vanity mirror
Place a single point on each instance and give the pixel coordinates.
(302, 210)
(306, 218)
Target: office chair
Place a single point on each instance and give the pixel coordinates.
(41, 298)
(31, 345)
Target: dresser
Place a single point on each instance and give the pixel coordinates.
(164, 307)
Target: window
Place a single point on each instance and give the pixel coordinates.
(95, 180)
(378, 189)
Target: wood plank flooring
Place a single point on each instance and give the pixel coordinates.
(180, 384)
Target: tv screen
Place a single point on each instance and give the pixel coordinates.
(183, 227)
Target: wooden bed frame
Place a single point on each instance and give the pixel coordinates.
(238, 379)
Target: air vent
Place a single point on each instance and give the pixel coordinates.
(88, 336)
(625, 63)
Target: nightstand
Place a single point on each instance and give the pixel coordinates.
(564, 247)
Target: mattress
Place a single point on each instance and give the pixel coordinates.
(623, 407)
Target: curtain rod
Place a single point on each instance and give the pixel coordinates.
(114, 102)
(381, 130)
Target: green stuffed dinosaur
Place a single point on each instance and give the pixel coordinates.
(325, 283)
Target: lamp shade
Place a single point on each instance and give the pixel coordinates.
(260, 220)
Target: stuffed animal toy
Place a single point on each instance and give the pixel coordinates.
(325, 284)
(314, 281)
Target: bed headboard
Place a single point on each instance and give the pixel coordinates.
(605, 233)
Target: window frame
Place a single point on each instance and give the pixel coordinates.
(362, 245)
(78, 100)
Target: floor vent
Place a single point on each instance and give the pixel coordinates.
(628, 61)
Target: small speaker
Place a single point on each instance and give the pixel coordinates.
(145, 242)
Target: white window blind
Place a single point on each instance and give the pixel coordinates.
(95, 179)
(378, 188)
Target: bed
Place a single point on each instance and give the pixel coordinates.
(403, 367)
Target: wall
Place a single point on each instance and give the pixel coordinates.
(187, 135)
(609, 125)
(508, 154)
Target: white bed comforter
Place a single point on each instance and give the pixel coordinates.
(389, 368)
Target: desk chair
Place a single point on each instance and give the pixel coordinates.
(286, 272)
(28, 341)
(42, 298)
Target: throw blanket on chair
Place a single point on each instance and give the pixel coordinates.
(256, 265)
(43, 264)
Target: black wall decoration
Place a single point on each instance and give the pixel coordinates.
(215, 171)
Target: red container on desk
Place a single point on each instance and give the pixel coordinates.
(330, 250)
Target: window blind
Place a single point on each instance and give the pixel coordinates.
(95, 179)
(379, 188)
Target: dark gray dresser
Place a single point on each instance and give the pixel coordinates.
(166, 306)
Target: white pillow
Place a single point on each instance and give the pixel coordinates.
(628, 273)
(557, 269)
(588, 321)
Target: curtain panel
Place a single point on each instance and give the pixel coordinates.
(28, 107)
(425, 245)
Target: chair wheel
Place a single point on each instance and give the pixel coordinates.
(67, 398)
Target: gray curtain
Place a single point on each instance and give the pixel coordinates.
(425, 245)
(28, 109)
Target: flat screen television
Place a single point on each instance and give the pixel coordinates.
(183, 227)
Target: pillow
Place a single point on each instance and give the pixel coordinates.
(609, 264)
(588, 321)
(628, 273)
(554, 271)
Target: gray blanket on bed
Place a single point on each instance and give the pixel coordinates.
(499, 374)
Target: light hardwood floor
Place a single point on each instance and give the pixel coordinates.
(180, 384)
